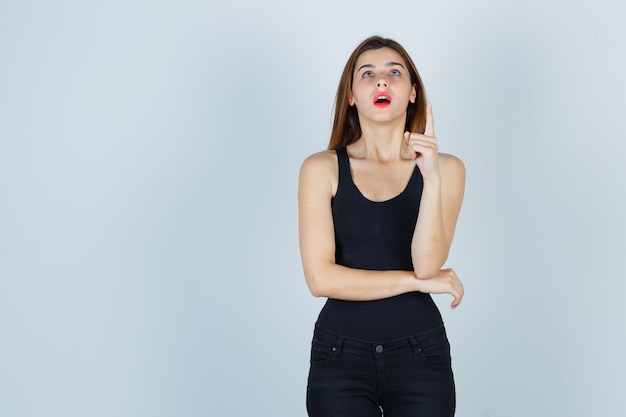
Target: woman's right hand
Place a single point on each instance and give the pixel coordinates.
(444, 282)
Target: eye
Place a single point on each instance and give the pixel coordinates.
(394, 72)
(367, 74)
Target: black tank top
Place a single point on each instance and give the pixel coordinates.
(376, 236)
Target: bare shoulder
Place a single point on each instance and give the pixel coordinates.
(320, 169)
(320, 160)
(322, 163)
(452, 171)
(451, 166)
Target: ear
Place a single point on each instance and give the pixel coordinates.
(350, 100)
(413, 95)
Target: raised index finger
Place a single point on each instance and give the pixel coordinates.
(430, 124)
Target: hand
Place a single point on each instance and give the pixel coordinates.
(445, 282)
(423, 148)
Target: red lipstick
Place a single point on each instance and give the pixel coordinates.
(382, 100)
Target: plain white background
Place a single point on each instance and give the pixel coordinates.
(149, 155)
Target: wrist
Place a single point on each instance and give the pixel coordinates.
(410, 281)
(432, 181)
(417, 284)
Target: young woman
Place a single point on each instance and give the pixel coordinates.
(377, 213)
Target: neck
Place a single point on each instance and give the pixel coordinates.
(383, 142)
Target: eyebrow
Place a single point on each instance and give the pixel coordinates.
(388, 64)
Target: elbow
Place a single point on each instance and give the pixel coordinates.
(427, 270)
(423, 273)
(427, 264)
(315, 286)
(318, 278)
(315, 292)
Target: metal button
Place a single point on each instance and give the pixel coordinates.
(379, 349)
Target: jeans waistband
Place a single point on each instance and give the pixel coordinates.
(415, 342)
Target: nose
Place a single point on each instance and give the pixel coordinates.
(381, 83)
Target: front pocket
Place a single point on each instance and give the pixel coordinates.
(436, 350)
(321, 353)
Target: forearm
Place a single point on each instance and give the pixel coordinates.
(429, 247)
(343, 283)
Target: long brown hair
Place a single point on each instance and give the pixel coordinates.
(346, 126)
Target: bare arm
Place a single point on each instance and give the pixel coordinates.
(439, 210)
(318, 179)
(442, 196)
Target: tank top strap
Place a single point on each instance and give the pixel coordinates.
(344, 165)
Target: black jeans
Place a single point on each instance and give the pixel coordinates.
(410, 377)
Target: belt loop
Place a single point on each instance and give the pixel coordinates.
(415, 345)
(339, 346)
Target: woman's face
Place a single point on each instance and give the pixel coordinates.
(381, 86)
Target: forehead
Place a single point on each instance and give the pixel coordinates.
(378, 57)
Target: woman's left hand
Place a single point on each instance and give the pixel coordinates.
(446, 281)
(423, 148)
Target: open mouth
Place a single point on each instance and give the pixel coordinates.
(382, 100)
